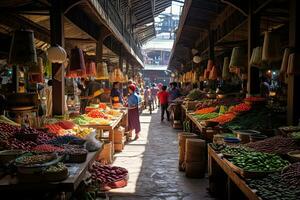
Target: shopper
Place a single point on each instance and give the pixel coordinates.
(163, 99)
(133, 111)
(264, 87)
(115, 94)
(147, 97)
(174, 92)
(154, 91)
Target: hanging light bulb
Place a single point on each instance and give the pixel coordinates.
(197, 59)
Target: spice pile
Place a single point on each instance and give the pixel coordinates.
(277, 145)
(291, 175)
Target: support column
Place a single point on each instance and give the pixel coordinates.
(253, 86)
(57, 37)
(293, 97)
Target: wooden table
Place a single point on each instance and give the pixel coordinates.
(224, 182)
(76, 175)
(122, 119)
(207, 132)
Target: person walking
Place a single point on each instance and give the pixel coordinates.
(154, 90)
(133, 111)
(163, 97)
(147, 98)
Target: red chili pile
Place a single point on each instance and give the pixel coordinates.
(55, 129)
(242, 107)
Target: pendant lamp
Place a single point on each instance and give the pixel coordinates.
(210, 64)
(101, 71)
(213, 74)
(256, 59)
(285, 60)
(238, 59)
(225, 70)
(90, 68)
(77, 60)
(271, 47)
(22, 49)
(56, 54)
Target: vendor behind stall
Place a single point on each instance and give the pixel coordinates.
(173, 92)
(115, 95)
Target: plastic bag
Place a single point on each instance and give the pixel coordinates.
(92, 144)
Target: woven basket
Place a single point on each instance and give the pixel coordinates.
(76, 157)
(56, 176)
(195, 150)
(182, 141)
(195, 169)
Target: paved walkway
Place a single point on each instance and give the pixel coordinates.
(152, 163)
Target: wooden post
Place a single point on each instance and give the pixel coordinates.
(99, 48)
(57, 37)
(253, 86)
(293, 97)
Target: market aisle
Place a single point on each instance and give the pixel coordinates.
(152, 163)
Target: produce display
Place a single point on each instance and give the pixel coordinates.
(242, 107)
(277, 145)
(195, 94)
(296, 135)
(206, 116)
(97, 114)
(272, 187)
(66, 124)
(218, 102)
(35, 159)
(84, 120)
(256, 119)
(235, 150)
(259, 162)
(205, 110)
(67, 139)
(47, 148)
(225, 118)
(291, 174)
(255, 99)
(105, 174)
(55, 129)
(56, 168)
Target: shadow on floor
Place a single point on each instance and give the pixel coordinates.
(152, 162)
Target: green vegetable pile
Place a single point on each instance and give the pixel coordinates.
(259, 162)
(273, 188)
(235, 150)
(206, 116)
(195, 94)
(296, 135)
(80, 120)
(256, 120)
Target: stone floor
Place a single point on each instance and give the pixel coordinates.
(152, 163)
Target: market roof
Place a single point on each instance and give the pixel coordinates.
(227, 19)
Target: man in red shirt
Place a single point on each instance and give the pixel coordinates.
(163, 99)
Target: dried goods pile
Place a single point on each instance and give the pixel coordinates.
(277, 145)
(291, 175)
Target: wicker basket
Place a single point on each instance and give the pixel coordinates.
(182, 140)
(56, 176)
(195, 169)
(76, 157)
(195, 150)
